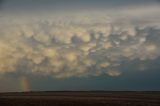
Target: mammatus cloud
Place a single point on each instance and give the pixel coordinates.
(79, 46)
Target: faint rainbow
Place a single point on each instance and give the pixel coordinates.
(24, 84)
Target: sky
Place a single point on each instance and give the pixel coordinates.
(57, 45)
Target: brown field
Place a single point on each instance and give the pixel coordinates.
(80, 99)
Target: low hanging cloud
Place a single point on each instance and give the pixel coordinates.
(87, 45)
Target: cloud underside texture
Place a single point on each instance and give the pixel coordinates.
(79, 45)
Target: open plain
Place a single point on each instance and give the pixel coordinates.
(79, 98)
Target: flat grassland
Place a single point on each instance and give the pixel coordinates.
(79, 98)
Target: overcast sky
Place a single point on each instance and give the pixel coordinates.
(79, 45)
(41, 5)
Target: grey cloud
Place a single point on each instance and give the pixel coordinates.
(37, 6)
(1, 3)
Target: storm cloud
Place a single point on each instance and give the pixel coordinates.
(80, 45)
